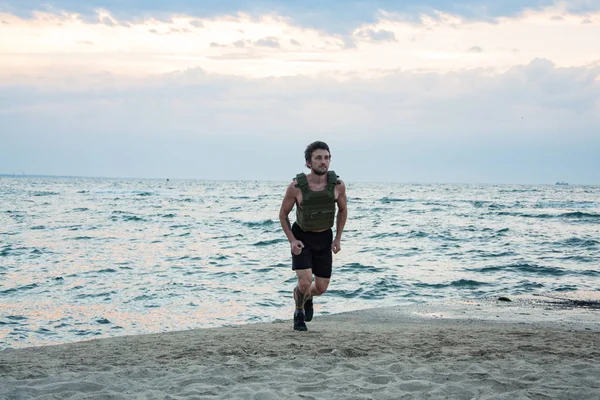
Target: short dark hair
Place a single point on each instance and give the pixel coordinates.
(318, 145)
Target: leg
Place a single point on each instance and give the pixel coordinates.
(300, 295)
(322, 261)
(318, 287)
(304, 282)
(303, 266)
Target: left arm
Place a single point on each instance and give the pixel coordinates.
(341, 218)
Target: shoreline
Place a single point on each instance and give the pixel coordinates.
(550, 307)
(467, 350)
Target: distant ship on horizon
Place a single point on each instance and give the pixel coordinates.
(562, 183)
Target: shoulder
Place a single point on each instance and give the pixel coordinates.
(340, 188)
(293, 186)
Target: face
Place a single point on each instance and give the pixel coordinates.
(319, 163)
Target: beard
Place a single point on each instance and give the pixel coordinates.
(318, 172)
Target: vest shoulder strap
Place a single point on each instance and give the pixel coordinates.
(332, 179)
(302, 181)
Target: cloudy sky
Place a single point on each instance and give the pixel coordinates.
(472, 91)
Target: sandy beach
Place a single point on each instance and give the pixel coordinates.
(469, 350)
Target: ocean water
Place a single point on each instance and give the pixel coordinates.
(89, 258)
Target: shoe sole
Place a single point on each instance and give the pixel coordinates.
(301, 328)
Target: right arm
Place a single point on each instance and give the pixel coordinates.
(286, 206)
(289, 199)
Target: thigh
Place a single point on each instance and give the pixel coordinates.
(322, 284)
(302, 261)
(304, 275)
(321, 263)
(322, 259)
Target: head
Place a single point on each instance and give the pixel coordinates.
(317, 157)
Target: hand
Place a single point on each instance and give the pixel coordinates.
(336, 246)
(297, 246)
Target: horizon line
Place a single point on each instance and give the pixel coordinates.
(23, 175)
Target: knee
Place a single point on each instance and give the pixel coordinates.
(320, 288)
(304, 285)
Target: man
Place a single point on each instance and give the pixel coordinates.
(311, 238)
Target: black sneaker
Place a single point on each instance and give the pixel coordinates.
(299, 324)
(308, 310)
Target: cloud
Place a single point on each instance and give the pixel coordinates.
(148, 46)
(377, 36)
(236, 56)
(380, 79)
(472, 125)
(333, 16)
(538, 99)
(434, 122)
(268, 42)
(107, 20)
(348, 43)
(308, 60)
(170, 31)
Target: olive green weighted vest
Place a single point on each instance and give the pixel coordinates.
(318, 207)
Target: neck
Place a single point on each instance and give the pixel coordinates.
(316, 178)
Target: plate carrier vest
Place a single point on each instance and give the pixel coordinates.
(318, 207)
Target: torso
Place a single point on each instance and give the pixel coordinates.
(315, 188)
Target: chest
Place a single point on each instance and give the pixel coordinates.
(317, 192)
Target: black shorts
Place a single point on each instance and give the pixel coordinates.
(316, 254)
